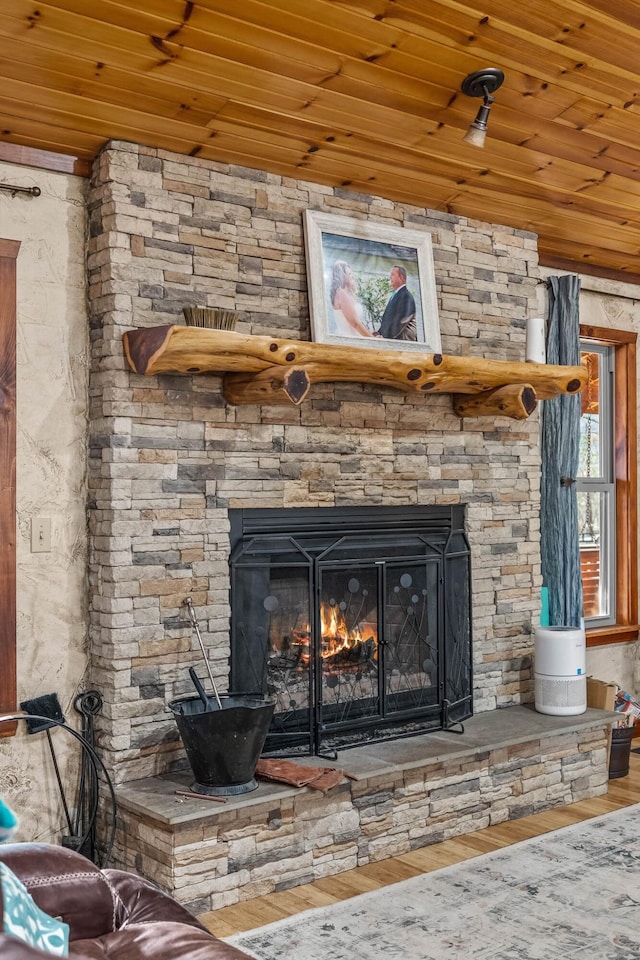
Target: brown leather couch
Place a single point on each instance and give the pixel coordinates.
(111, 913)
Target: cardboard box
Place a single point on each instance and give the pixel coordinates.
(601, 695)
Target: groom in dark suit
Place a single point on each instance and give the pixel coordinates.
(399, 317)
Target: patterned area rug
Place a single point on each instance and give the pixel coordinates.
(572, 894)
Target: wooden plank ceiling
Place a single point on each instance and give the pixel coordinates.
(363, 93)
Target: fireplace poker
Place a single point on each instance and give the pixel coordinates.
(199, 796)
(192, 616)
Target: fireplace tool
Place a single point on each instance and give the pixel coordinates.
(223, 735)
(194, 623)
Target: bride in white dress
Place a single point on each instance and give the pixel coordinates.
(347, 311)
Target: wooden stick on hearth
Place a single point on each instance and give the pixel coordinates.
(200, 796)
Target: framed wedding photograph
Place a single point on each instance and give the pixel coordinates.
(370, 285)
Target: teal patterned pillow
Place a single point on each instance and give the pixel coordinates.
(25, 921)
(8, 821)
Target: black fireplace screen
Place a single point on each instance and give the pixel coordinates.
(355, 620)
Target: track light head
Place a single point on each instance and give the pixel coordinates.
(481, 83)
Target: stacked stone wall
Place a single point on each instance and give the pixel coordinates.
(168, 456)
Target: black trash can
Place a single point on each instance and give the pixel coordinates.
(621, 738)
(224, 745)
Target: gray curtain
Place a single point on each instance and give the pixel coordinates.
(560, 450)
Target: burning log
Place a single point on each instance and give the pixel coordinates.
(348, 654)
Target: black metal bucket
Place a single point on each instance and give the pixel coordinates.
(223, 746)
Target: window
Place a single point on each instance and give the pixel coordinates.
(606, 486)
(597, 489)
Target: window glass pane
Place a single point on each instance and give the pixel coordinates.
(591, 507)
(590, 464)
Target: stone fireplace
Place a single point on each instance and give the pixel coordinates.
(356, 621)
(171, 464)
(170, 459)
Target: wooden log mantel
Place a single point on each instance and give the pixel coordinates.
(269, 370)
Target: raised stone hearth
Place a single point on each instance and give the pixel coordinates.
(398, 796)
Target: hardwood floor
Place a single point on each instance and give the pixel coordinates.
(275, 906)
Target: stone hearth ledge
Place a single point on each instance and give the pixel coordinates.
(155, 797)
(186, 845)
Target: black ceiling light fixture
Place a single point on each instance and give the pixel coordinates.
(481, 83)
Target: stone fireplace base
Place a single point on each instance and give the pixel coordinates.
(398, 796)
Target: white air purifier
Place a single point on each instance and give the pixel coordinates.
(560, 666)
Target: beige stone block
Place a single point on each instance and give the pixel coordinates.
(331, 867)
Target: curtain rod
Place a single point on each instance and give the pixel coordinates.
(13, 189)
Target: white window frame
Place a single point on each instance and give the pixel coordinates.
(604, 483)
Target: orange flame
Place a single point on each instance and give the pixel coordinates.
(336, 636)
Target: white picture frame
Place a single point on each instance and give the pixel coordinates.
(370, 251)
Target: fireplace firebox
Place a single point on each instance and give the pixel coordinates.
(355, 620)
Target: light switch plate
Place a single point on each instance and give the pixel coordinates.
(40, 535)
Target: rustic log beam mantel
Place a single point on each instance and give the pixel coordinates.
(516, 400)
(270, 370)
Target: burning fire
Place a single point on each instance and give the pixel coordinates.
(337, 638)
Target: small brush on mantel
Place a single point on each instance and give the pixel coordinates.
(214, 318)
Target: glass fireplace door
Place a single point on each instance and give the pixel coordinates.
(348, 676)
(272, 641)
(413, 637)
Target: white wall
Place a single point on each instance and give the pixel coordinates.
(616, 306)
(52, 365)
